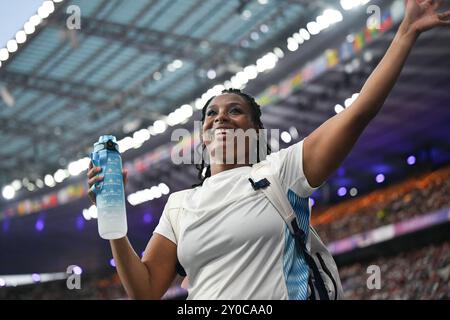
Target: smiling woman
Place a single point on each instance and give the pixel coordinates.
(224, 234)
(233, 110)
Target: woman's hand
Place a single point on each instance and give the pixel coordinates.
(93, 177)
(422, 15)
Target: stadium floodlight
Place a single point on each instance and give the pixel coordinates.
(293, 132)
(338, 108)
(164, 188)
(93, 212)
(286, 137)
(35, 20)
(4, 54)
(40, 224)
(278, 52)
(21, 37)
(342, 191)
(211, 74)
(36, 277)
(379, 178)
(313, 28)
(49, 180)
(304, 34)
(59, 175)
(29, 28)
(177, 63)
(159, 126)
(332, 15)
(16, 184)
(157, 75)
(11, 45)
(86, 214)
(411, 160)
(251, 71)
(8, 192)
(292, 44)
(77, 270)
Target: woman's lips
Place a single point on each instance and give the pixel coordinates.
(222, 133)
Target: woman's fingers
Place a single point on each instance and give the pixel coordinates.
(444, 15)
(93, 171)
(93, 180)
(92, 196)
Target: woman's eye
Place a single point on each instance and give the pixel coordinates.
(210, 113)
(235, 110)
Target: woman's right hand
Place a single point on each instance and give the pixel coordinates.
(93, 177)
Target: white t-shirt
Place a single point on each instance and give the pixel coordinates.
(232, 242)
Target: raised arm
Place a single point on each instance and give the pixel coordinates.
(327, 146)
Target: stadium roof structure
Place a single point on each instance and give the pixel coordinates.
(131, 62)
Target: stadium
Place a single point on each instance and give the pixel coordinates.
(74, 70)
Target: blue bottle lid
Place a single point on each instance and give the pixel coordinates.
(105, 138)
(106, 142)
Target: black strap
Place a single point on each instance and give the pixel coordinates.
(180, 270)
(259, 184)
(300, 240)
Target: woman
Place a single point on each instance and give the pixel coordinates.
(231, 243)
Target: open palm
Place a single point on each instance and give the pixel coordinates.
(422, 15)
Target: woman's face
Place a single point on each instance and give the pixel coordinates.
(225, 114)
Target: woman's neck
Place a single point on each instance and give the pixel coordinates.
(218, 168)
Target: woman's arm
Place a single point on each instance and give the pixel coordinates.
(327, 146)
(151, 277)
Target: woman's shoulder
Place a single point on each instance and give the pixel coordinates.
(177, 197)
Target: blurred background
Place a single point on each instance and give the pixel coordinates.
(74, 70)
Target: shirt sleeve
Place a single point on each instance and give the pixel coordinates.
(288, 165)
(164, 226)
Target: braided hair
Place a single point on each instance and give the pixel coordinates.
(256, 118)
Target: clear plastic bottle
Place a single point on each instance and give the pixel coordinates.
(110, 195)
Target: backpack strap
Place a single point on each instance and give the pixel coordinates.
(263, 178)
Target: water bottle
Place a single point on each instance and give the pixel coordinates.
(110, 195)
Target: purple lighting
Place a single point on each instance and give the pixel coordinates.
(411, 160)
(112, 263)
(36, 277)
(342, 191)
(147, 218)
(379, 178)
(312, 202)
(39, 226)
(5, 225)
(77, 270)
(80, 223)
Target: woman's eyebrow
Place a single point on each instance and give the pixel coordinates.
(232, 103)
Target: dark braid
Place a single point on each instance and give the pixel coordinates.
(256, 118)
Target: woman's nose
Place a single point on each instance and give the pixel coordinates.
(221, 117)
